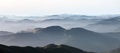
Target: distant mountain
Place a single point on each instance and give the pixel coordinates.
(113, 34)
(77, 37)
(56, 20)
(53, 30)
(70, 21)
(65, 20)
(2, 33)
(114, 51)
(115, 20)
(47, 49)
(30, 22)
(26, 21)
(90, 39)
(15, 17)
(70, 16)
(106, 25)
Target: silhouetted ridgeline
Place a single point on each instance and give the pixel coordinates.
(51, 48)
(77, 37)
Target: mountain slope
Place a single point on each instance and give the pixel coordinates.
(47, 49)
(106, 25)
(91, 40)
(77, 37)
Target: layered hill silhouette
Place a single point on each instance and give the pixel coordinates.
(51, 48)
(106, 25)
(76, 37)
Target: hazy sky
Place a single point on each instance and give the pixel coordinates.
(45, 7)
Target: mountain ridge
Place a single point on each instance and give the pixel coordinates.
(51, 48)
(77, 37)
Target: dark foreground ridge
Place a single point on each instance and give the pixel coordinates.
(51, 48)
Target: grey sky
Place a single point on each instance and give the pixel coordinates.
(47, 7)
